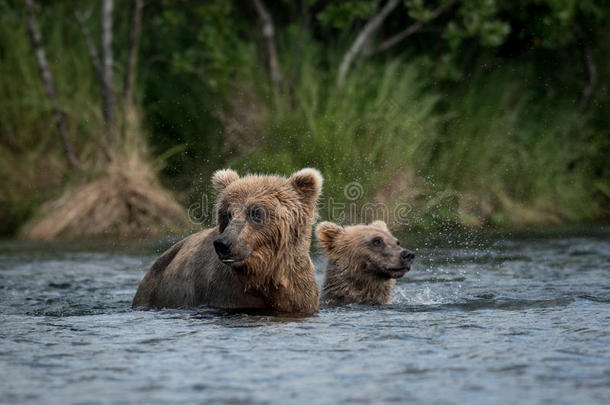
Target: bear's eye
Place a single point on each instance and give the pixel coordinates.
(257, 215)
(398, 243)
(228, 216)
(377, 241)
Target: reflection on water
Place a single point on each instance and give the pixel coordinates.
(481, 318)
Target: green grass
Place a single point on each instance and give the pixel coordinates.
(377, 123)
(519, 151)
(491, 152)
(32, 164)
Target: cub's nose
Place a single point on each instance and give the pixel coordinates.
(222, 246)
(407, 256)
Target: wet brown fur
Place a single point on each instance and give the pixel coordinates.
(277, 273)
(358, 272)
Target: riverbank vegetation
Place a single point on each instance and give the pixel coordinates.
(473, 113)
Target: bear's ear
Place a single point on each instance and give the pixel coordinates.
(308, 184)
(222, 178)
(380, 225)
(327, 234)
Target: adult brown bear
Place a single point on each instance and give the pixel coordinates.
(256, 257)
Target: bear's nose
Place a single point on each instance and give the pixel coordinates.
(407, 256)
(222, 246)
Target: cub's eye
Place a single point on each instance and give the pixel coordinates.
(377, 241)
(398, 243)
(256, 215)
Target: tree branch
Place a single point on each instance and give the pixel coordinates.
(132, 60)
(591, 69)
(269, 35)
(47, 80)
(95, 58)
(410, 30)
(363, 37)
(298, 49)
(108, 102)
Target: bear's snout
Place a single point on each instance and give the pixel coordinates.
(407, 256)
(222, 246)
(232, 252)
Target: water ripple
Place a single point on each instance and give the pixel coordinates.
(508, 319)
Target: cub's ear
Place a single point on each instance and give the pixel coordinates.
(380, 225)
(222, 178)
(308, 184)
(327, 234)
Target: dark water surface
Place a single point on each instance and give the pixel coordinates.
(506, 318)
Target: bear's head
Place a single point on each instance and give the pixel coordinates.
(264, 219)
(369, 250)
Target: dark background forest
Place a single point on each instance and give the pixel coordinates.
(476, 113)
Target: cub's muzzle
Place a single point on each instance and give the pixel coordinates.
(407, 257)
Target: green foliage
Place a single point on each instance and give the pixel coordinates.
(377, 123)
(476, 119)
(478, 18)
(418, 10)
(506, 145)
(341, 14)
(560, 20)
(32, 165)
(217, 55)
(497, 154)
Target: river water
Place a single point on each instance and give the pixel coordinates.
(512, 318)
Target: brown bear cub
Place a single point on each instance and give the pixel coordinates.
(363, 262)
(256, 257)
